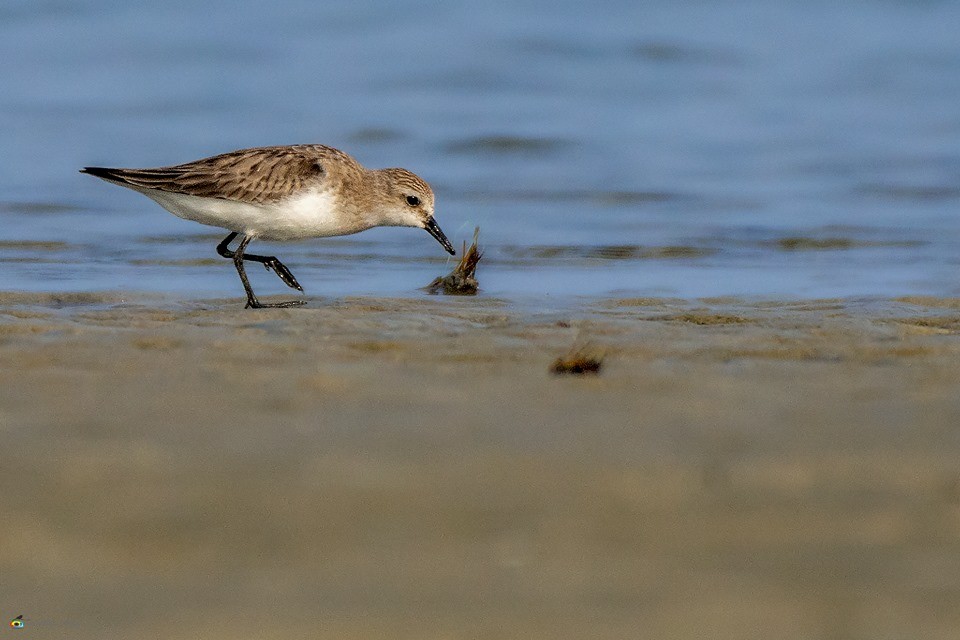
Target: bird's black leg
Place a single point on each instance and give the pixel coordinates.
(238, 258)
(269, 262)
(224, 247)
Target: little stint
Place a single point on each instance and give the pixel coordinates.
(283, 193)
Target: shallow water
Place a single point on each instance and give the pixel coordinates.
(667, 149)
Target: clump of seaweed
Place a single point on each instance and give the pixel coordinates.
(578, 362)
(462, 280)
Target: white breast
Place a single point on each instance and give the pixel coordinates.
(313, 214)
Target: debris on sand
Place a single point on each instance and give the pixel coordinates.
(462, 280)
(578, 362)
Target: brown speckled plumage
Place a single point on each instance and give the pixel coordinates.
(263, 174)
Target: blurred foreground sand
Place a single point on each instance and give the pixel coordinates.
(383, 468)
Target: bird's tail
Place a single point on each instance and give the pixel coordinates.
(106, 173)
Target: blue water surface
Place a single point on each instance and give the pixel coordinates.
(777, 148)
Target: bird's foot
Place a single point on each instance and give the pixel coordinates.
(281, 270)
(253, 303)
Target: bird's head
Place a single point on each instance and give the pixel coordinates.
(408, 202)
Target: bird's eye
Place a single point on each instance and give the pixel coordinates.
(413, 201)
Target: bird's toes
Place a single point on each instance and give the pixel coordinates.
(281, 270)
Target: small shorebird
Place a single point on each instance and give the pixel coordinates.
(283, 193)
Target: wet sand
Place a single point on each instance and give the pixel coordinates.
(409, 468)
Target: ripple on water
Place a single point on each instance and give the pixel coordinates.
(590, 197)
(37, 207)
(376, 134)
(507, 144)
(607, 252)
(679, 53)
(915, 193)
(803, 243)
(33, 245)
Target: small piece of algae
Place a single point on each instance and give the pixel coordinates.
(462, 280)
(577, 363)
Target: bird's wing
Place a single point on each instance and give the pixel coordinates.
(258, 175)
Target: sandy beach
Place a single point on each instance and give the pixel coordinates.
(409, 468)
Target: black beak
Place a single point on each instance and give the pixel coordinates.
(434, 229)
